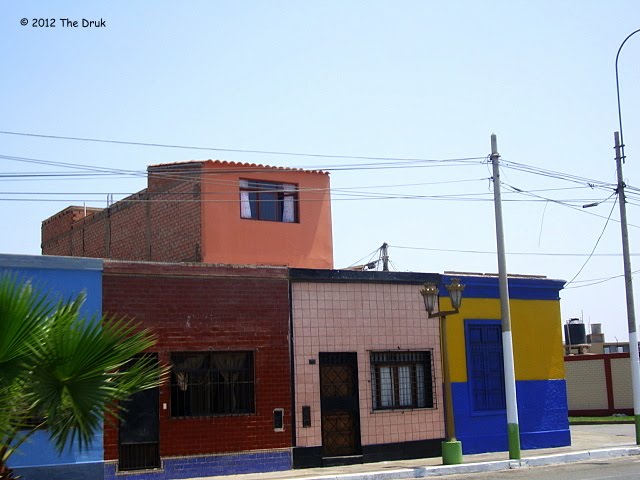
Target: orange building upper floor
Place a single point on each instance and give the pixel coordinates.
(206, 211)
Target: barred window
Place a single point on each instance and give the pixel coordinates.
(401, 380)
(212, 383)
(273, 201)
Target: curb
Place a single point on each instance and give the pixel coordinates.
(439, 470)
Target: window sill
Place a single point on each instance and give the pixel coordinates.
(213, 415)
(398, 410)
(297, 222)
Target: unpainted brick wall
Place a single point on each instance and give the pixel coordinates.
(209, 308)
(160, 226)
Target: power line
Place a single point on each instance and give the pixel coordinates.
(487, 252)
(230, 150)
(554, 174)
(597, 281)
(595, 246)
(564, 204)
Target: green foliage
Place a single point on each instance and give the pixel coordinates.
(601, 420)
(62, 372)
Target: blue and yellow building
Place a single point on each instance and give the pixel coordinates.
(474, 342)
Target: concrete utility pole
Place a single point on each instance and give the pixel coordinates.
(631, 314)
(507, 345)
(628, 283)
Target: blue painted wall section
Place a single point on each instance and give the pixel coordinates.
(542, 414)
(520, 288)
(60, 278)
(205, 466)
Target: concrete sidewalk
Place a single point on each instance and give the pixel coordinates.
(589, 442)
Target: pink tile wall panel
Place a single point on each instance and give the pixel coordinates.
(360, 317)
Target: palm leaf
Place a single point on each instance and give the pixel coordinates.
(69, 370)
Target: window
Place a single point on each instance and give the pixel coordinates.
(401, 380)
(211, 383)
(485, 366)
(272, 201)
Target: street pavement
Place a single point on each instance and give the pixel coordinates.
(622, 468)
(589, 442)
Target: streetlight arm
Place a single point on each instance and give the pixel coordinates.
(618, 92)
(443, 313)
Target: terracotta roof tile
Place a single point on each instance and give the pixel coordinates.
(227, 163)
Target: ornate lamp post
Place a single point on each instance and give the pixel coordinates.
(451, 448)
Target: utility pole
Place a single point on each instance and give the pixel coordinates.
(385, 257)
(513, 429)
(628, 283)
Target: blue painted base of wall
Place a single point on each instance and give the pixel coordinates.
(542, 415)
(76, 471)
(207, 466)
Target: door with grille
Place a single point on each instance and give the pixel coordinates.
(339, 404)
(138, 436)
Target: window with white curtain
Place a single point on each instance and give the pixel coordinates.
(271, 201)
(401, 380)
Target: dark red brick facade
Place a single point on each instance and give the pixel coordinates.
(210, 308)
(162, 223)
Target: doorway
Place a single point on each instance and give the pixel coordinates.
(340, 405)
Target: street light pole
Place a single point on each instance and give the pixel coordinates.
(451, 447)
(628, 279)
(513, 429)
(628, 282)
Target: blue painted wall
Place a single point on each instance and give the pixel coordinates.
(542, 414)
(59, 278)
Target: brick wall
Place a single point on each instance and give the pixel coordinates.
(203, 307)
(158, 225)
(55, 228)
(599, 384)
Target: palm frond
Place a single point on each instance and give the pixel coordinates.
(67, 370)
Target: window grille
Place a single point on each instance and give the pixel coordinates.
(485, 365)
(402, 380)
(212, 383)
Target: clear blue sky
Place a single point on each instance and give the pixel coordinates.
(406, 79)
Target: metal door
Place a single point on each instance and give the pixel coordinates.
(339, 404)
(139, 432)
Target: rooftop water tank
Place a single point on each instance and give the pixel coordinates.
(575, 333)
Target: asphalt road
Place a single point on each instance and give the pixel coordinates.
(625, 468)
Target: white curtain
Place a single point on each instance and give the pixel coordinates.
(386, 387)
(288, 211)
(404, 378)
(420, 379)
(245, 205)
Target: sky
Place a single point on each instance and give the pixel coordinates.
(397, 100)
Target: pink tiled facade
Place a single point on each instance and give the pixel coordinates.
(363, 317)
